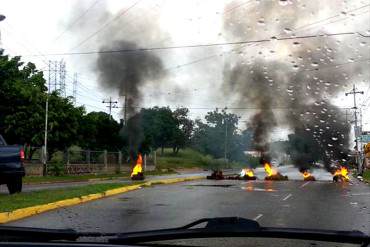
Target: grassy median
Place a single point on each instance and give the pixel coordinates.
(87, 177)
(366, 175)
(28, 199)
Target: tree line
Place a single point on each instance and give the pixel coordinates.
(23, 94)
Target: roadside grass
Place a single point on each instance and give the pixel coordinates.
(189, 158)
(86, 177)
(28, 199)
(186, 158)
(71, 178)
(366, 175)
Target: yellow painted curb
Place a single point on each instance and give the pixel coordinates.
(30, 211)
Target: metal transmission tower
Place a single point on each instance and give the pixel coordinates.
(57, 77)
(62, 78)
(75, 88)
(111, 104)
(56, 81)
(357, 129)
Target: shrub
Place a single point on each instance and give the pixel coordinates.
(56, 165)
(75, 154)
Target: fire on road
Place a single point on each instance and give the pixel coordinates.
(320, 204)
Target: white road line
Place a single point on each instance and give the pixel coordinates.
(258, 216)
(306, 183)
(360, 194)
(287, 197)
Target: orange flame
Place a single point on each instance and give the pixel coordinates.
(269, 170)
(306, 174)
(247, 172)
(342, 172)
(138, 167)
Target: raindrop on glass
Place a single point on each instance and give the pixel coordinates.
(287, 30)
(314, 64)
(283, 2)
(261, 22)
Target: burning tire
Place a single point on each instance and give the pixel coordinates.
(248, 178)
(216, 175)
(309, 178)
(138, 176)
(276, 177)
(238, 177)
(340, 178)
(341, 175)
(272, 174)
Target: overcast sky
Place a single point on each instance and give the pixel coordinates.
(193, 75)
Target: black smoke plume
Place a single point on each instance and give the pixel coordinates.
(128, 73)
(293, 90)
(124, 73)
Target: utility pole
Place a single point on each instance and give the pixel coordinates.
(125, 110)
(44, 168)
(225, 154)
(2, 17)
(111, 104)
(354, 92)
(75, 88)
(125, 106)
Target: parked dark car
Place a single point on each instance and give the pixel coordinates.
(11, 166)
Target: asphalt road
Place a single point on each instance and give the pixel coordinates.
(286, 170)
(321, 204)
(43, 186)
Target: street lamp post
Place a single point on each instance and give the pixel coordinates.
(2, 17)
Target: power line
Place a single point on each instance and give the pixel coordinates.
(303, 27)
(46, 62)
(236, 7)
(76, 20)
(111, 104)
(223, 107)
(199, 45)
(119, 15)
(295, 30)
(357, 130)
(93, 106)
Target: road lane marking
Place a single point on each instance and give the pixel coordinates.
(258, 216)
(360, 194)
(306, 183)
(287, 197)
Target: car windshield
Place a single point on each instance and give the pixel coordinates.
(148, 114)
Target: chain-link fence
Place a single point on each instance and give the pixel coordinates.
(78, 162)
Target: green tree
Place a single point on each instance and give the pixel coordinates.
(63, 123)
(152, 128)
(219, 131)
(99, 131)
(159, 126)
(183, 133)
(22, 101)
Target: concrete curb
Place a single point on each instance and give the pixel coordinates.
(75, 181)
(34, 210)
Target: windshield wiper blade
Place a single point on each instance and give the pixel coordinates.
(32, 234)
(15, 233)
(239, 227)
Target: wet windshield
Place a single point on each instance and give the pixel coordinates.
(140, 114)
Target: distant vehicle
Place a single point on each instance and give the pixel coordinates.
(318, 165)
(11, 166)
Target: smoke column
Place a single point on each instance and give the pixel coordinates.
(289, 83)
